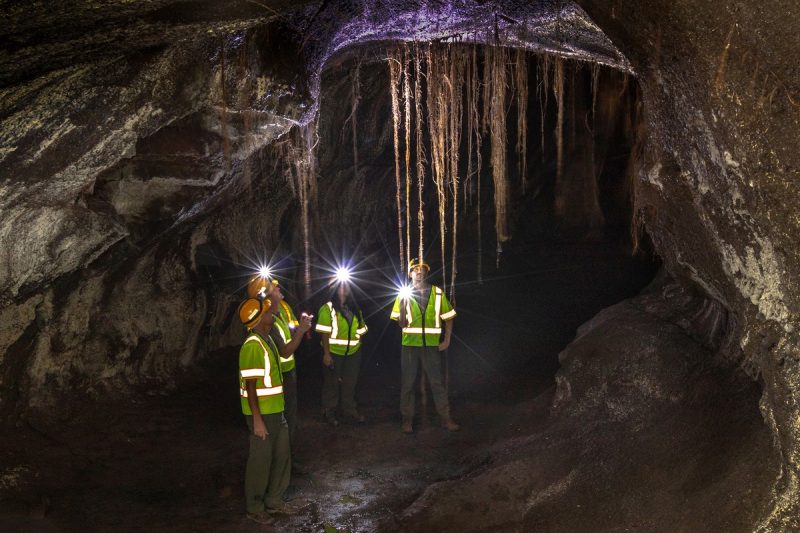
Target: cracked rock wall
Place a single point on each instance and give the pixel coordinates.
(720, 182)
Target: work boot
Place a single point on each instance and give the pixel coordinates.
(407, 426)
(449, 425)
(290, 507)
(330, 418)
(261, 517)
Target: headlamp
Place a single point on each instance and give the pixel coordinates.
(404, 292)
(343, 275)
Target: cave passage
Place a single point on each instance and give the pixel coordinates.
(604, 191)
(571, 254)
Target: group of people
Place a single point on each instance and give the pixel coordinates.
(268, 378)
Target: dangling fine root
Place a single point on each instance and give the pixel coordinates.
(394, 76)
(521, 84)
(458, 62)
(438, 89)
(420, 154)
(496, 79)
(407, 107)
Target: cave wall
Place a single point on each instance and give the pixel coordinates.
(717, 184)
(719, 180)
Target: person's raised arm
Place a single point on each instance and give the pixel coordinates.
(297, 336)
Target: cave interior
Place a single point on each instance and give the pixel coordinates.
(605, 192)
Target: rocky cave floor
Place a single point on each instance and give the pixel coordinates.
(174, 460)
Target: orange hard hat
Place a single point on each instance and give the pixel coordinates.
(251, 311)
(260, 287)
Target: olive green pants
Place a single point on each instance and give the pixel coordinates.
(345, 372)
(268, 465)
(431, 359)
(290, 401)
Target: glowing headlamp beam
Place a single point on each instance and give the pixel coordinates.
(265, 272)
(404, 292)
(343, 275)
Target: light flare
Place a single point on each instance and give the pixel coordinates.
(404, 292)
(265, 272)
(343, 275)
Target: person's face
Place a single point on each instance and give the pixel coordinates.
(266, 322)
(275, 298)
(418, 274)
(343, 291)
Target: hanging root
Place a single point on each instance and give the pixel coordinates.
(438, 89)
(496, 69)
(558, 90)
(475, 130)
(521, 84)
(395, 67)
(407, 107)
(420, 154)
(543, 66)
(458, 62)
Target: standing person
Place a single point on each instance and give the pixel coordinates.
(284, 333)
(287, 336)
(421, 315)
(261, 391)
(341, 326)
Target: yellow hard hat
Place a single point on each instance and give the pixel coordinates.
(417, 263)
(260, 287)
(251, 311)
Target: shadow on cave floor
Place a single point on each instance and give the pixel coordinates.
(174, 460)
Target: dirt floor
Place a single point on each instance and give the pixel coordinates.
(155, 465)
(174, 460)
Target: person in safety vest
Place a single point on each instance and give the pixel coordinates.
(341, 326)
(422, 316)
(261, 391)
(287, 337)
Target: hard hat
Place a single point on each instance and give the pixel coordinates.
(417, 263)
(251, 311)
(260, 287)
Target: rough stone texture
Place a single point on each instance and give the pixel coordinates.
(636, 440)
(85, 87)
(720, 90)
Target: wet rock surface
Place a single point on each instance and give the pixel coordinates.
(135, 134)
(617, 445)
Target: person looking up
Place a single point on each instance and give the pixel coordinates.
(341, 326)
(422, 315)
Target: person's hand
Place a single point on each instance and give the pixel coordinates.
(305, 322)
(327, 360)
(445, 344)
(259, 429)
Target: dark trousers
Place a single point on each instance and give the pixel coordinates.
(431, 360)
(290, 402)
(268, 465)
(345, 373)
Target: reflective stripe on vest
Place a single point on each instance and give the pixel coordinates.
(437, 303)
(334, 321)
(286, 337)
(268, 378)
(272, 391)
(267, 364)
(333, 330)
